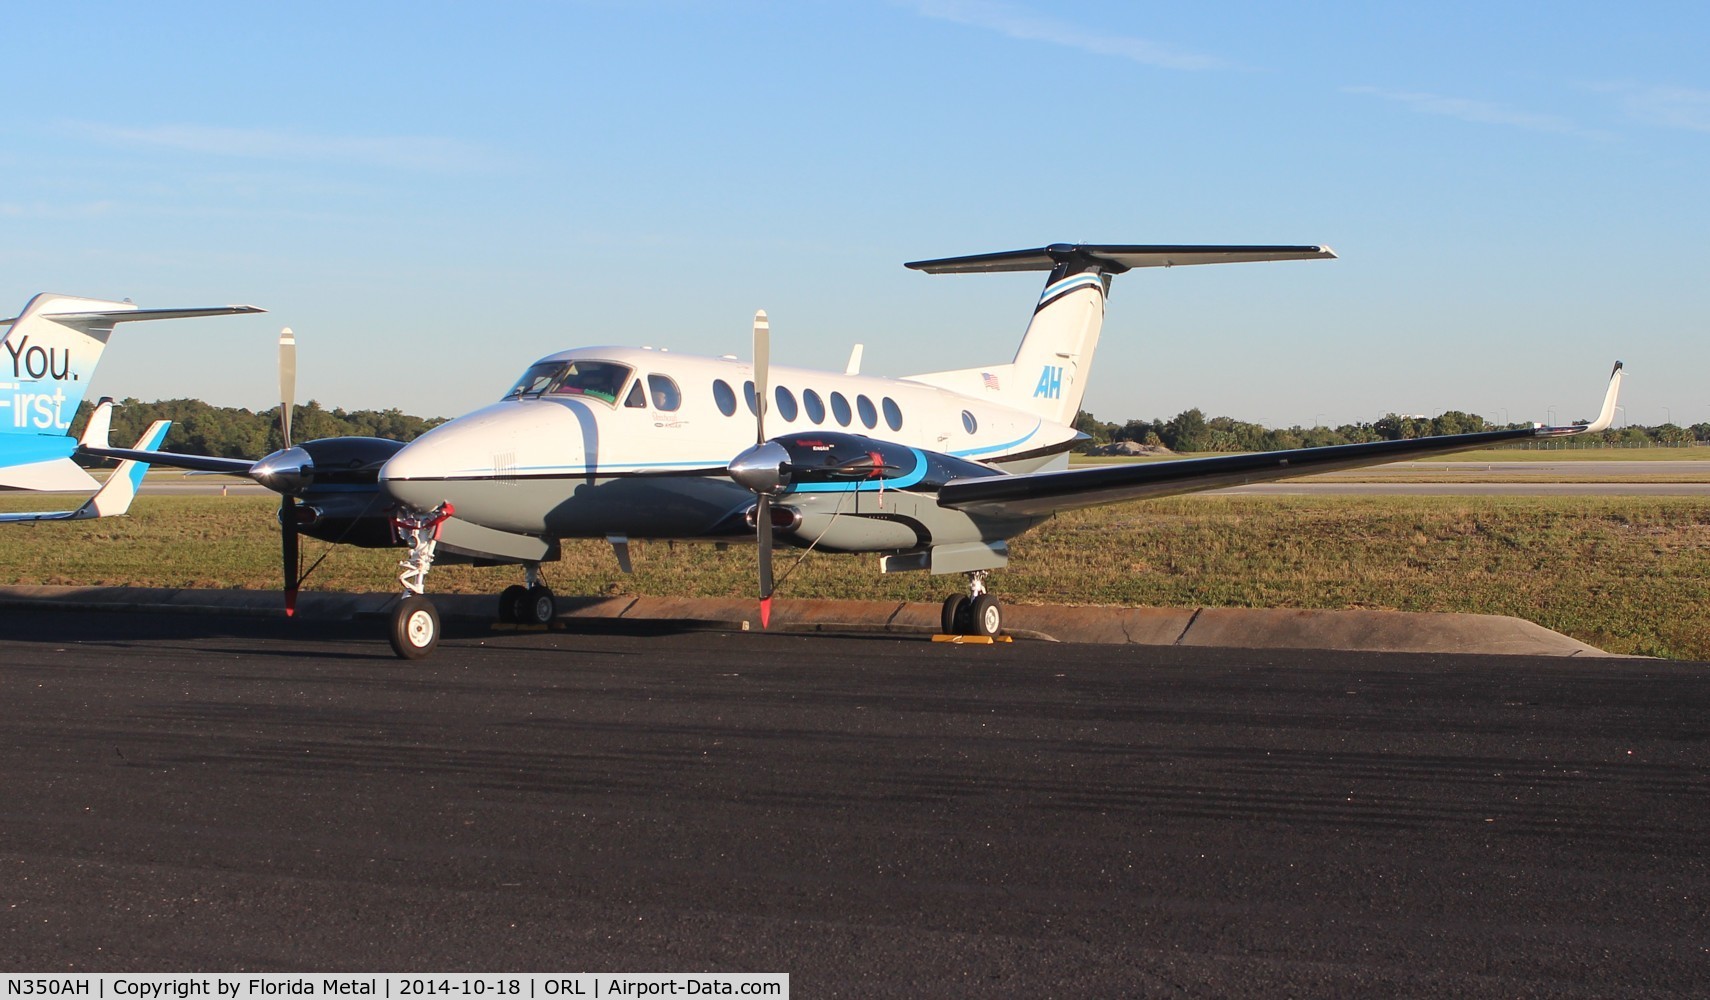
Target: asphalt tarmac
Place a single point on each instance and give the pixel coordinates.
(874, 816)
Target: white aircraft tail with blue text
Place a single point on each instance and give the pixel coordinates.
(48, 355)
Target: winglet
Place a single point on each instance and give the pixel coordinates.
(96, 431)
(115, 496)
(1607, 416)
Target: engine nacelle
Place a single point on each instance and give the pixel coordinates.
(836, 462)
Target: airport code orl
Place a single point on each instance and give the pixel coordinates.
(533, 986)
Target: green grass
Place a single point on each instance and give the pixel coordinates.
(1630, 575)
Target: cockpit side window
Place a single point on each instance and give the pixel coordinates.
(666, 395)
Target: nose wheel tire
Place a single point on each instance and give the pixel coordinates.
(415, 627)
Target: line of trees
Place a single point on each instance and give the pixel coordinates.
(232, 432)
(1191, 430)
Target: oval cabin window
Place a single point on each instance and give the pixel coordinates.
(725, 397)
(893, 413)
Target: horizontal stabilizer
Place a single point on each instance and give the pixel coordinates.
(1116, 259)
(109, 316)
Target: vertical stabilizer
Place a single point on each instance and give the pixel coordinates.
(50, 350)
(47, 359)
(1050, 367)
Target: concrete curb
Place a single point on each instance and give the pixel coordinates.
(1245, 628)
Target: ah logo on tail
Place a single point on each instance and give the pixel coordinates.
(1050, 383)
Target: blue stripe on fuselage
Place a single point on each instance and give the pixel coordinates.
(970, 452)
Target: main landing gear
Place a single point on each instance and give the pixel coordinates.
(976, 613)
(530, 604)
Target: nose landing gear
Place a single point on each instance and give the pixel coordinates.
(415, 621)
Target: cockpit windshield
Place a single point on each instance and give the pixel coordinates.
(599, 379)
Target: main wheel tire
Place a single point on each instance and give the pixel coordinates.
(537, 606)
(510, 603)
(985, 616)
(954, 607)
(415, 627)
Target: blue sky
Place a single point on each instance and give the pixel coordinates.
(435, 194)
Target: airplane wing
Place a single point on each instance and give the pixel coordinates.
(115, 496)
(1040, 493)
(94, 443)
(195, 463)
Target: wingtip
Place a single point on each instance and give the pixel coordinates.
(1606, 417)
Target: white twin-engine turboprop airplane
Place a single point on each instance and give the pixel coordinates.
(933, 472)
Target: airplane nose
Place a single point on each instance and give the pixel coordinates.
(416, 476)
(460, 460)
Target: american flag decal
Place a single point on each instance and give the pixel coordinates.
(990, 380)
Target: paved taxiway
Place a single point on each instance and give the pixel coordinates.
(874, 816)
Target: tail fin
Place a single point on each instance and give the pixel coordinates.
(1049, 374)
(50, 352)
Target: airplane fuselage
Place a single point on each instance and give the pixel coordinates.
(623, 441)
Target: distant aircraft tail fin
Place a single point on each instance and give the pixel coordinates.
(49, 352)
(1049, 374)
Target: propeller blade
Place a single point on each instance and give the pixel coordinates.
(763, 536)
(762, 366)
(288, 550)
(287, 381)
